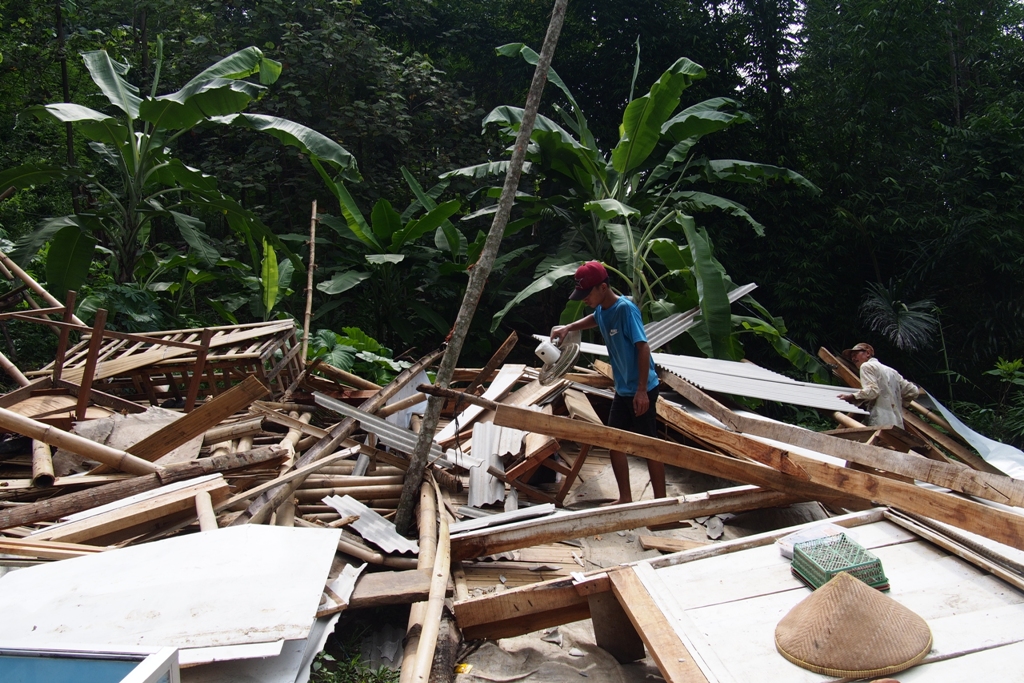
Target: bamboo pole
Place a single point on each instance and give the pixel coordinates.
(357, 492)
(481, 270)
(119, 460)
(409, 402)
(33, 285)
(42, 465)
(339, 375)
(204, 511)
(346, 481)
(428, 548)
(374, 557)
(309, 284)
(12, 370)
(435, 603)
(233, 431)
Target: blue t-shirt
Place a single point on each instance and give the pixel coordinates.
(622, 327)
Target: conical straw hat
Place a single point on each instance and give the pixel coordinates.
(846, 628)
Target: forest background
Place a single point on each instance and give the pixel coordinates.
(906, 114)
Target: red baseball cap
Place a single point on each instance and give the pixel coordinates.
(588, 276)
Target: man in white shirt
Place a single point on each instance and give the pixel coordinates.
(881, 386)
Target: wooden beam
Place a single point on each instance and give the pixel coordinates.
(730, 442)
(664, 451)
(90, 363)
(100, 398)
(998, 488)
(604, 520)
(374, 589)
(825, 479)
(526, 609)
(194, 424)
(135, 518)
(613, 630)
(497, 359)
(670, 545)
(670, 654)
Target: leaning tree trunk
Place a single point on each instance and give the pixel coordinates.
(481, 271)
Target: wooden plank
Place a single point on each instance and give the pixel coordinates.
(670, 654)
(90, 363)
(730, 442)
(196, 423)
(664, 451)
(497, 359)
(998, 488)
(101, 398)
(579, 407)
(132, 519)
(613, 630)
(526, 609)
(578, 524)
(670, 545)
(961, 452)
(824, 479)
(374, 589)
(47, 550)
(574, 472)
(948, 544)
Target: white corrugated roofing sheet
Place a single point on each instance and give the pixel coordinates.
(753, 381)
(371, 526)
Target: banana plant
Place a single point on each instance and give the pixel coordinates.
(150, 184)
(387, 249)
(632, 207)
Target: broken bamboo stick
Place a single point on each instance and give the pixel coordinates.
(204, 511)
(42, 465)
(435, 603)
(119, 460)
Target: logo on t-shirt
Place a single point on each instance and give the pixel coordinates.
(613, 331)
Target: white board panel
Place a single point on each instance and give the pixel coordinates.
(239, 585)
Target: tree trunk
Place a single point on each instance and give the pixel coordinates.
(481, 270)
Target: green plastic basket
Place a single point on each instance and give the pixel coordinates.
(817, 561)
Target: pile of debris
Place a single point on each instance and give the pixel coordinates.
(214, 493)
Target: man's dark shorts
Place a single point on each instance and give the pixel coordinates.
(621, 415)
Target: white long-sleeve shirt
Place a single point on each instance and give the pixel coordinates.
(888, 392)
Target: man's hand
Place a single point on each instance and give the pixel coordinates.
(640, 403)
(558, 333)
(849, 398)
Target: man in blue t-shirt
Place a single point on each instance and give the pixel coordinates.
(636, 383)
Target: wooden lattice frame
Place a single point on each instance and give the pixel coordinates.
(139, 371)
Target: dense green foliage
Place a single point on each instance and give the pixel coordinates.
(905, 113)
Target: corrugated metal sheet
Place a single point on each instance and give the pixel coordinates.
(502, 518)
(661, 332)
(372, 526)
(392, 435)
(488, 446)
(756, 384)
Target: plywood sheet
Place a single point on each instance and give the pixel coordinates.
(233, 586)
(726, 609)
